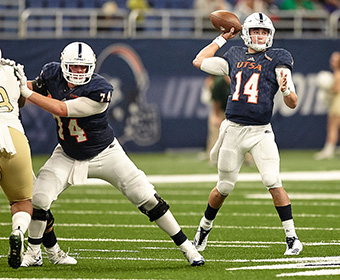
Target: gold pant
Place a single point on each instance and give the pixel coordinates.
(16, 171)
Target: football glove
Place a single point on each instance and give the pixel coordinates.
(24, 90)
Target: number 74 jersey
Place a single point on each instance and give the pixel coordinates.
(83, 137)
(254, 83)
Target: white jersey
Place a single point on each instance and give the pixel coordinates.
(9, 96)
(9, 108)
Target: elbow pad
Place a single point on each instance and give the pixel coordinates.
(215, 65)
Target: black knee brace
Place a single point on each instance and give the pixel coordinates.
(50, 220)
(42, 215)
(158, 211)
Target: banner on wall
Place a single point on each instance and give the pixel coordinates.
(156, 103)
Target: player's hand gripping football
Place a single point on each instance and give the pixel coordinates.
(229, 35)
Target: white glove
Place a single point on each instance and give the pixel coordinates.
(24, 90)
(7, 61)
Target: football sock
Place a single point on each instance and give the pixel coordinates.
(289, 228)
(168, 224)
(49, 239)
(35, 231)
(210, 213)
(179, 238)
(21, 219)
(205, 223)
(285, 212)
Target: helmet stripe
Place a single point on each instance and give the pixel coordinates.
(80, 49)
(261, 17)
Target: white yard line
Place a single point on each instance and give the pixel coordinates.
(184, 226)
(321, 272)
(333, 175)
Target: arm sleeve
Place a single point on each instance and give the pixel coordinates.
(290, 84)
(84, 107)
(215, 65)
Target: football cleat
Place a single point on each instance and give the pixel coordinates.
(16, 248)
(191, 254)
(324, 154)
(32, 258)
(201, 239)
(58, 256)
(294, 246)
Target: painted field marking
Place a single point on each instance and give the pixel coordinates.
(300, 263)
(109, 212)
(184, 226)
(333, 175)
(321, 272)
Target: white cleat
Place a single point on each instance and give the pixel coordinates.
(294, 246)
(58, 256)
(201, 239)
(324, 154)
(16, 248)
(32, 258)
(191, 254)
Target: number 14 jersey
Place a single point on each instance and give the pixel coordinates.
(254, 83)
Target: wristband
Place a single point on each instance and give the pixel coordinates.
(286, 92)
(219, 41)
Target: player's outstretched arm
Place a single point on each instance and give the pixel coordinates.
(53, 106)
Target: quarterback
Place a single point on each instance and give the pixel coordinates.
(257, 73)
(16, 177)
(87, 148)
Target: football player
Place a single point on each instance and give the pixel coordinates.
(16, 177)
(257, 73)
(87, 148)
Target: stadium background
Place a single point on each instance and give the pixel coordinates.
(156, 103)
(158, 77)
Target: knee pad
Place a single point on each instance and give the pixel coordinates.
(138, 190)
(41, 200)
(156, 212)
(225, 187)
(271, 180)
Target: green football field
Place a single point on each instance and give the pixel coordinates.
(111, 239)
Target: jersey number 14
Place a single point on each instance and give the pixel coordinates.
(250, 88)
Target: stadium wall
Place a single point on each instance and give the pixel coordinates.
(156, 104)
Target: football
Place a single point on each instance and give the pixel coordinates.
(223, 20)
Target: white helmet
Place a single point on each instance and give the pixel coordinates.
(257, 20)
(78, 53)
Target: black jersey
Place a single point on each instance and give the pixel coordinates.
(85, 137)
(253, 83)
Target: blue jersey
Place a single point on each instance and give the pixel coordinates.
(81, 138)
(253, 83)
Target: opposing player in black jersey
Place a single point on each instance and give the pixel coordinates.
(87, 148)
(257, 73)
